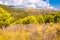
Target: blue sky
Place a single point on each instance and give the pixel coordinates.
(50, 4)
(55, 3)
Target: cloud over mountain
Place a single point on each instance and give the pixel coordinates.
(28, 3)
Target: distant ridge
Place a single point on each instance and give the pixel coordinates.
(21, 13)
(11, 9)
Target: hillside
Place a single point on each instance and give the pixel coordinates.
(29, 24)
(29, 9)
(21, 13)
(10, 9)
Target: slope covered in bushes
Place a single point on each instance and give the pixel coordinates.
(5, 18)
(29, 24)
(27, 18)
(21, 13)
(47, 18)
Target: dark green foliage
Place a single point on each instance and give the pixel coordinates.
(48, 18)
(57, 17)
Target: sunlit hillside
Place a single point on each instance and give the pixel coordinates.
(29, 24)
(21, 13)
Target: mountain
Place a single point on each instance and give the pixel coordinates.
(10, 9)
(44, 4)
(21, 13)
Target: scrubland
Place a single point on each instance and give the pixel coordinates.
(29, 25)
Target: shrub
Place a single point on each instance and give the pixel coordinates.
(30, 20)
(40, 19)
(5, 18)
(57, 17)
(27, 20)
(18, 22)
(48, 18)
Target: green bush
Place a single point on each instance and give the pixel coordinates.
(40, 19)
(30, 20)
(48, 18)
(57, 17)
(5, 18)
(20, 21)
(27, 20)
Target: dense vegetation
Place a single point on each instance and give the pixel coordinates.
(47, 18)
(17, 24)
(21, 13)
(7, 18)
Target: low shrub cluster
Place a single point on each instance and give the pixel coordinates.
(6, 18)
(30, 20)
(47, 18)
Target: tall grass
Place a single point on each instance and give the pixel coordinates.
(31, 32)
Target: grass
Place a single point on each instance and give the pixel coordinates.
(31, 32)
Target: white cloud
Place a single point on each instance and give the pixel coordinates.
(32, 5)
(29, 3)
